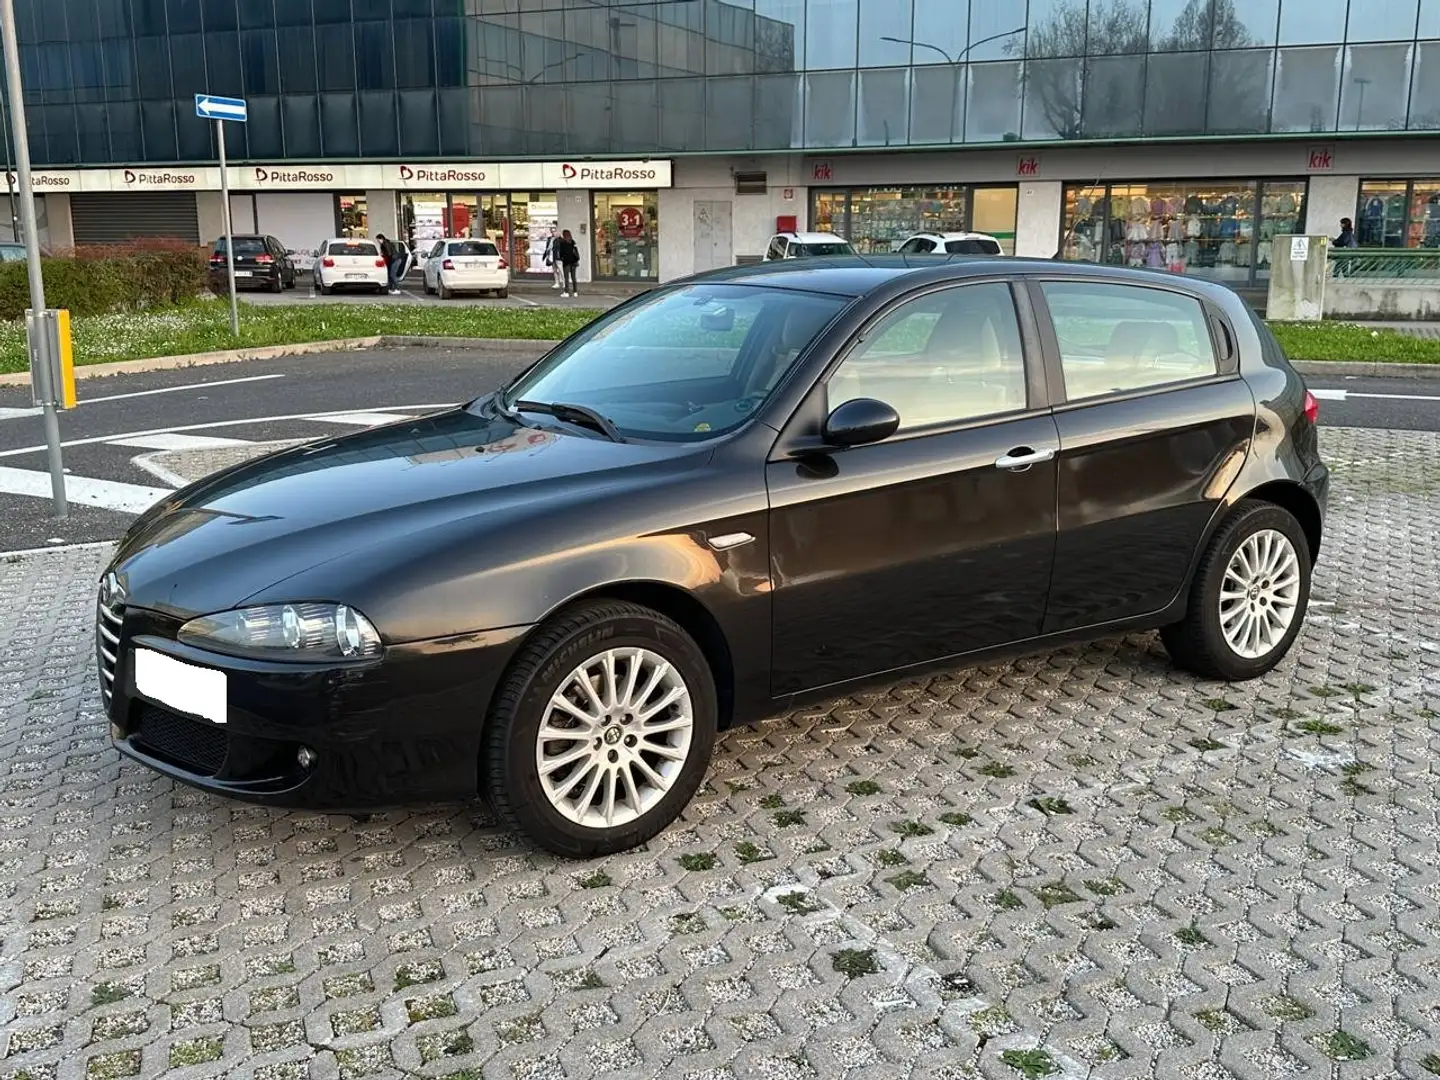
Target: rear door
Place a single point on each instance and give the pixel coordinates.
(1154, 423)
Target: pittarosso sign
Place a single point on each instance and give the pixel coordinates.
(460, 176)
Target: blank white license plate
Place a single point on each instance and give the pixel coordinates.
(355, 277)
(243, 273)
(186, 688)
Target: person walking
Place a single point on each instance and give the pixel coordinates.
(1346, 239)
(567, 253)
(551, 261)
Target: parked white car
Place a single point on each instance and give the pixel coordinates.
(350, 264)
(806, 245)
(951, 243)
(459, 265)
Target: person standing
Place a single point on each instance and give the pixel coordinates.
(1346, 239)
(388, 253)
(567, 252)
(551, 261)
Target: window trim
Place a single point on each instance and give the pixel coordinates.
(1031, 353)
(1054, 363)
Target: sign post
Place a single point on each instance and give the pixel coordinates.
(43, 345)
(220, 109)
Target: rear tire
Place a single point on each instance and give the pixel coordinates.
(277, 286)
(1260, 560)
(616, 649)
(326, 290)
(502, 294)
(446, 293)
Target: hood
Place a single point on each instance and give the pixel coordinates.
(211, 546)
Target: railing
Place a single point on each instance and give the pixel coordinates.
(1391, 263)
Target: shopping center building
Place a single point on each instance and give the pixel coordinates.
(677, 135)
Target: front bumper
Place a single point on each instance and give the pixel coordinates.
(401, 730)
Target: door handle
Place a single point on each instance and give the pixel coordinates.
(1022, 457)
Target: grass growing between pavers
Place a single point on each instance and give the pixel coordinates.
(205, 327)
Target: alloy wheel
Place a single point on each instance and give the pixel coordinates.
(1260, 594)
(615, 737)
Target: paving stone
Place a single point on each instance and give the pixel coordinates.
(1083, 855)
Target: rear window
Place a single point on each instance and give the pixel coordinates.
(972, 247)
(244, 245)
(803, 250)
(362, 249)
(474, 247)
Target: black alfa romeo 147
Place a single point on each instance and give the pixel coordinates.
(727, 494)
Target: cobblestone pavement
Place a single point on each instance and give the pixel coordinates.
(1081, 865)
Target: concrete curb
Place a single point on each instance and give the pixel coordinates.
(273, 352)
(1363, 369)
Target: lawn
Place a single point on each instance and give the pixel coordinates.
(205, 327)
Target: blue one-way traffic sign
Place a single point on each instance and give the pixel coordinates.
(209, 107)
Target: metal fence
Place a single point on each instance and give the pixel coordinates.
(1391, 263)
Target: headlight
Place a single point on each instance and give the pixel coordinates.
(300, 632)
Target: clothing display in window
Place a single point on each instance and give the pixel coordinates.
(1399, 214)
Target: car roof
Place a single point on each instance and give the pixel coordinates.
(351, 240)
(954, 236)
(813, 237)
(856, 275)
(467, 240)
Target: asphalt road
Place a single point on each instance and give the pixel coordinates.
(122, 418)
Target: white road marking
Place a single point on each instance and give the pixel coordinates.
(147, 463)
(1328, 395)
(171, 441)
(83, 490)
(23, 450)
(360, 419)
(1347, 395)
(15, 414)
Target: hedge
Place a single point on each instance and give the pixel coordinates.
(108, 279)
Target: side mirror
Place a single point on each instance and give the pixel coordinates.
(860, 422)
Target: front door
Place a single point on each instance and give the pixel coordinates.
(939, 540)
(1155, 426)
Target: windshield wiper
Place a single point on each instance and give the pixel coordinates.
(580, 415)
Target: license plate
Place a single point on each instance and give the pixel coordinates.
(355, 277)
(186, 688)
(243, 273)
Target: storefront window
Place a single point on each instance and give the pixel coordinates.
(1220, 230)
(1399, 214)
(353, 216)
(627, 233)
(879, 220)
(533, 214)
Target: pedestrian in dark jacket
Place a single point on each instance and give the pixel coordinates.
(391, 256)
(567, 254)
(1346, 239)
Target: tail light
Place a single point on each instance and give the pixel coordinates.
(217, 258)
(503, 264)
(380, 263)
(327, 262)
(265, 259)
(1312, 408)
(448, 264)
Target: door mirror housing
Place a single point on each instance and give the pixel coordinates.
(860, 422)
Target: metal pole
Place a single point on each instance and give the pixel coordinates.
(32, 238)
(229, 239)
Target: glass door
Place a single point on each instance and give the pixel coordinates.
(423, 219)
(351, 216)
(534, 215)
(1282, 209)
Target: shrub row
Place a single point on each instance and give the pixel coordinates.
(102, 280)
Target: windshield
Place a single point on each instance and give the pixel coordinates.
(474, 247)
(806, 250)
(244, 245)
(685, 364)
(972, 246)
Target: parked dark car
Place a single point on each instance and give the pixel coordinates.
(261, 262)
(732, 493)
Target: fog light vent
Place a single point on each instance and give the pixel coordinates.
(306, 757)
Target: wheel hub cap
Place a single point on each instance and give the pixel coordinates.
(614, 738)
(1260, 594)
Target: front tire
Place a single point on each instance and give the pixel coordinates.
(1248, 599)
(602, 730)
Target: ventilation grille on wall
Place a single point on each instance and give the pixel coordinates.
(750, 183)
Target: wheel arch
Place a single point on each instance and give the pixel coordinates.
(1291, 497)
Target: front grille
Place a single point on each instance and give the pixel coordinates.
(195, 746)
(109, 618)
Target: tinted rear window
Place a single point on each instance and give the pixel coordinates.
(804, 250)
(474, 247)
(244, 245)
(972, 247)
(354, 249)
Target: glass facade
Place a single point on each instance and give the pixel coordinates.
(1399, 213)
(627, 235)
(112, 81)
(1219, 229)
(878, 220)
(517, 222)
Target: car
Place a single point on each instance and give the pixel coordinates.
(13, 252)
(806, 245)
(735, 493)
(464, 265)
(350, 264)
(951, 243)
(261, 262)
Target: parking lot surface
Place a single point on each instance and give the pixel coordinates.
(1079, 864)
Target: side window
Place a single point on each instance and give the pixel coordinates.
(1118, 338)
(910, 247)
(437, 250)
(777, 249)
(950, 356)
